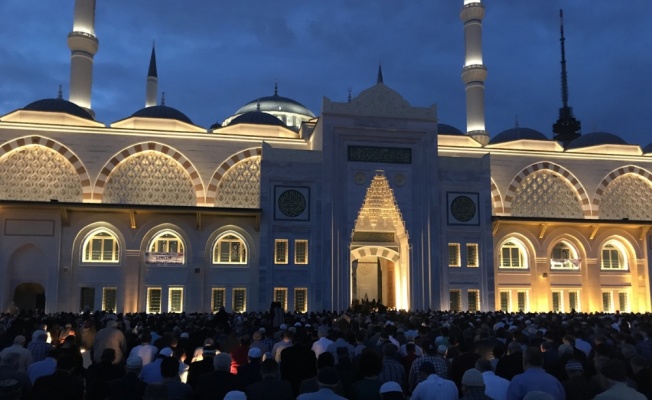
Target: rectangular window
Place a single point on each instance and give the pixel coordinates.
(472, 259)
(239, 300)
(281, 251)
(87, 299)
(281, 296)
(154, 300)
(505, 300)
(109, 299)
(301, 252)
(607, 302)
(473, 297)
(574, 300)
(557, 302)
(175, 300)
(301, 299)
(522, 298)
(455, 300)
(218, 297)
(453, 254)
(623, 301)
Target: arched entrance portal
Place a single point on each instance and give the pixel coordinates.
(29, 296)
(375, 275)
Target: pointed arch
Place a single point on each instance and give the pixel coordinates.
(496, 199)
(556, 169)
(76, 162)
(111, 165)
(599, 197)
(211, 192)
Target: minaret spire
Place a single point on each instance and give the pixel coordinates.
(83, 46)
(152, 80)
(567, 127)
(380, 74)
(474, 73)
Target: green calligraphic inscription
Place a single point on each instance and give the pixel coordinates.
(388, 155)
(373, 237)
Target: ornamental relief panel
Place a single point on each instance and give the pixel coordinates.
(37, 173)
(625, 197)
(150, 178)
(546, 194)
(240, 185)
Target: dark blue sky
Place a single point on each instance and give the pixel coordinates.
(215, 56)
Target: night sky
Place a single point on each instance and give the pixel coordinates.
(215, 56)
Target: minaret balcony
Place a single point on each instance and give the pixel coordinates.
(472, 11)
(474, 73)
(83, 41)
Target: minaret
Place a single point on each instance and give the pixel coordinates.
(152, 81)
(83, 45)
(474, 72)
(567, 127)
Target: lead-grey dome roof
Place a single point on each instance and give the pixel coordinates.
(595, 139)
(59, 105)
(517, 133)
(445, 129)
(257, 118)
(275, 103)
(163, 112)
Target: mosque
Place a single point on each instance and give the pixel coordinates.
(372, 198)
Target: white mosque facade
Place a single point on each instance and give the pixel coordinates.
(370, 199)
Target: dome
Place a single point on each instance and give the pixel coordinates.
(445, 129)
(163, 112)
(517, 133)
(275, 103)
(647, 149)
(59, 105)
(257, 118)
(595, 139)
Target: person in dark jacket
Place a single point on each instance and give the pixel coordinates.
(269, 387)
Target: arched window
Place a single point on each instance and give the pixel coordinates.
(564, 256)
(513, 255)
(166, 248)
(100, 246)
(229, 249)
(613, 256)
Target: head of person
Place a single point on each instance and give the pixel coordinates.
(514, 347)
(532, 358)
(573, 368)
(472, 379)
(324, 360)
(370, 363)
(390, 350)
(222, 362)
(257, 336)
(170, 367)
(322, 331)
(269, 368)
(108, 356)
(328, 377)
(426, 369)
(134, 364)
(235, 395)
(19, 340)
(613, 371)
(484, 365)
(391, 391)
(208, 351)
(254, 354)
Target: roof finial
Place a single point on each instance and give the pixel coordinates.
(152, 62)
(567, 127)
(380, 74)
(350, 93)
(516, 122)
(162, 98)
(60, 93)
(276, 87)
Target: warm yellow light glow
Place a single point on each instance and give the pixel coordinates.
(473, 60)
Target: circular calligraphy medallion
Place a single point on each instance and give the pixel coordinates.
(463, 208)
(291, 203)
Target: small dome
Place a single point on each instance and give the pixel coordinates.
(59, 105)
(647, 149)
(163, 112)
(257, 118)
(275, 103)
(517, 133)
(445, 129)
(595, 139)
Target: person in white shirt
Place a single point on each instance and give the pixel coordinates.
(433, 387)
(145, 350)
(495, 386)
(321, 345)
(25, 356)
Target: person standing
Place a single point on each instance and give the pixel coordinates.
(110, 338)
(535, 378)
(24, 355)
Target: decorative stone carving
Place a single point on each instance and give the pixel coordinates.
(36, 173)
(240, 185)
(625, 197)
(150, 178)
(546, 194)
(379, 212)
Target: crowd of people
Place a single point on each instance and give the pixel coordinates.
(359, 354)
